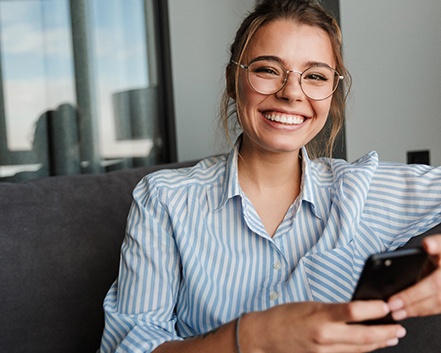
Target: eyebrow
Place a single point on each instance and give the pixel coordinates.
(318, 63)
(276, 58)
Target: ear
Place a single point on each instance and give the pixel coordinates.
(230, 81)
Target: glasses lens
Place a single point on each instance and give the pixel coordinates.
(319, 82)
(269, 76)
(266, 76)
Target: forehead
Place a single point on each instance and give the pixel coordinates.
(295, 44)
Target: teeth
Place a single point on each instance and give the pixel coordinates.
(285, 119)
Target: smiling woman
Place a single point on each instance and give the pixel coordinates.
(81, 88)
(260, 249)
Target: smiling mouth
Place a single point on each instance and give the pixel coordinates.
(286, 119)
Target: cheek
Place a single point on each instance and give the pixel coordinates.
(322, 109)
(248, 98)
(244, 90)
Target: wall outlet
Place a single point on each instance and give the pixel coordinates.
(418, 157)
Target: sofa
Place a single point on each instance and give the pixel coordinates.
(60, 239)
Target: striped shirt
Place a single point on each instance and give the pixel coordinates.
(196, 254)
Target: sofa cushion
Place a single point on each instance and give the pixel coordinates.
(60, 239)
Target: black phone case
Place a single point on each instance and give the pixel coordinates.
(388, 273)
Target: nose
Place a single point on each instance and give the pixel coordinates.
(292, 89)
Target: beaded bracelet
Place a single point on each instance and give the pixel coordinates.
(237, 333)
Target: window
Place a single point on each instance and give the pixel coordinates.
(84, 87)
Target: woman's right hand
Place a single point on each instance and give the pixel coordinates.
(319, 328)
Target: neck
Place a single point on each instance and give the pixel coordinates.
(271, 181)
(269, 170)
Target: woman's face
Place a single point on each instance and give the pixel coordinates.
(287, 120)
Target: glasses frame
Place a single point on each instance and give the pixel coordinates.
(285, 80)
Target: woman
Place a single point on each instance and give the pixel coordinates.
(260, 250)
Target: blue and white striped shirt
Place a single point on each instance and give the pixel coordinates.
(196, 254)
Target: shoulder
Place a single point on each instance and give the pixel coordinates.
(408, 171)
(369, 166)
(206, 172)
(331, 170)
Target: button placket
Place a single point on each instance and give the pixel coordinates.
(274, 293)
(277, 274)
(274, 296)
(277, 266)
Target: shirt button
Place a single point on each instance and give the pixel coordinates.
(274, 296)
(277, 266)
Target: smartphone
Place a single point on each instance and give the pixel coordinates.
(388, 273)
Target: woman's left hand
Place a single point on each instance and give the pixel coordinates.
(424, 298)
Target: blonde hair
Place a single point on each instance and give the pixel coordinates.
(307, 12)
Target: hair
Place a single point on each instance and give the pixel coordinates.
(307, 12)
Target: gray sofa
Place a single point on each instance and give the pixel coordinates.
(59, 250)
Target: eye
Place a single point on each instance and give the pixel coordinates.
(266, 69)
(315, 76)
(318, 76)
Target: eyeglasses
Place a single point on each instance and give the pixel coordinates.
(267, 76)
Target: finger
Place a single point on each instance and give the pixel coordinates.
(429, 286)
(429, 306)
(360, 338)
(421, 299)
(358, 311)
(432, 245)
(425, 307)
(372, 334)
(362, 348)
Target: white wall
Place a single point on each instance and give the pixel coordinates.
(201, 33)
(393, 50)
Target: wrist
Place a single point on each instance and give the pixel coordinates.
(237, 333)
(250, 338)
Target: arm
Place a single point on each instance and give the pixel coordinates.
(139, 307)
(403, 201)
(308, 326)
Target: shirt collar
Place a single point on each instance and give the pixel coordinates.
(230, 184)
(318, 178)
(232, 188)
(308, 186)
